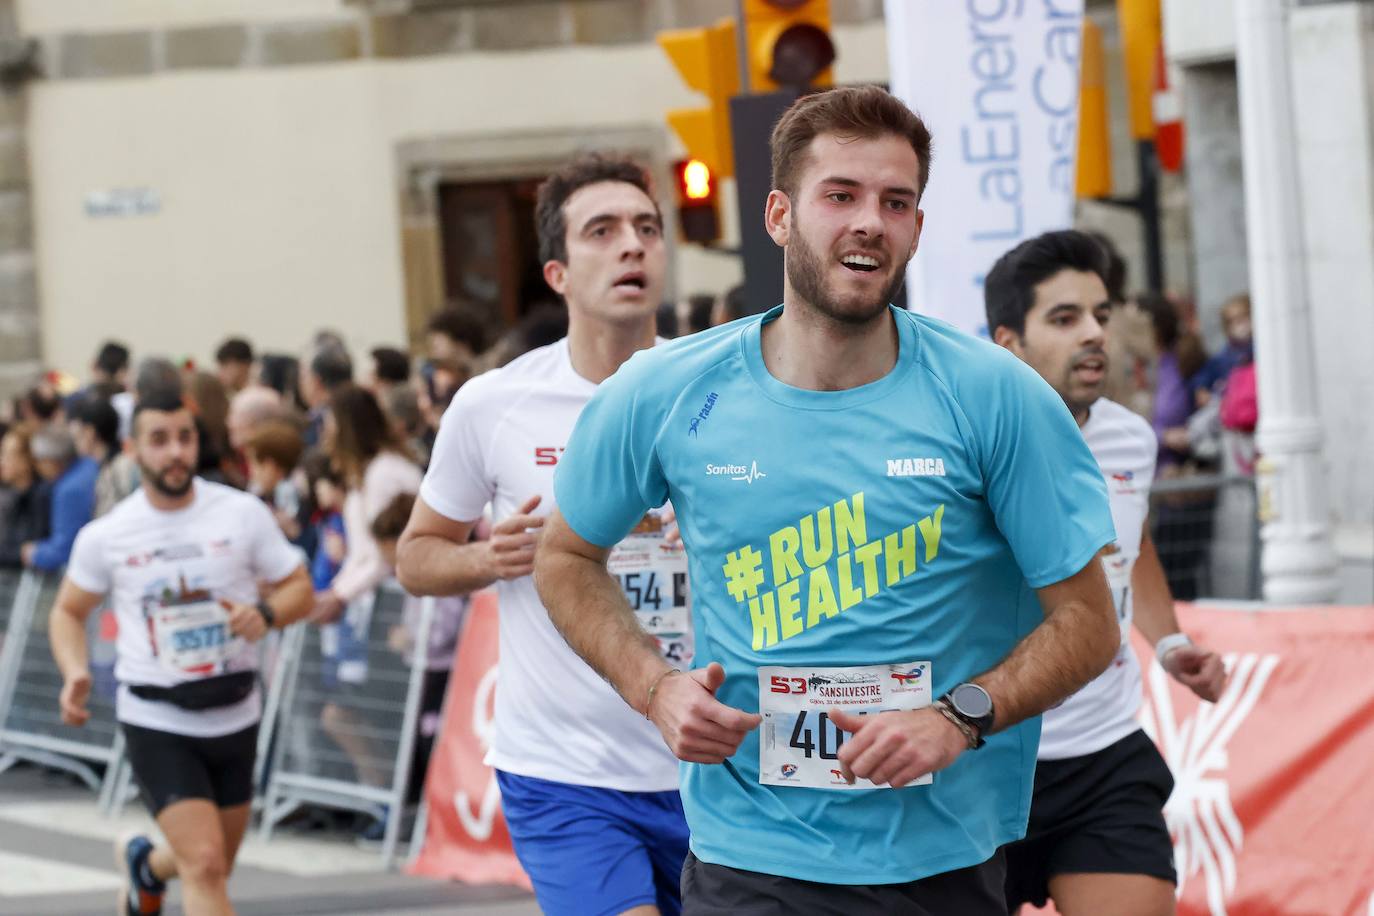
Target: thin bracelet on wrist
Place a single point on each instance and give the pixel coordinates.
(649, 703)
(964, 728)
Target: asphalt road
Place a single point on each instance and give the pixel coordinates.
(56, 859)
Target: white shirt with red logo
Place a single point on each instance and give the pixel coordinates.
(165, 574)
(1104, 711)
(556, 719)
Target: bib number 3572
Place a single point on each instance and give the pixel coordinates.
(799, 745)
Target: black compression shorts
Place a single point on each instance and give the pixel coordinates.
(717, 890)
(170, 768)
(1099, 813)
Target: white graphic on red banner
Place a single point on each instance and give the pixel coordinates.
(1207, 833)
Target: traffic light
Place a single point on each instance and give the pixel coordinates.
(1094, 176)
(697, 203)
(707, 60)
(1140, 39)
(789, 44)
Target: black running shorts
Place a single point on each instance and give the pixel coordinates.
(170, 768)
(1099, 813)
(717, 890)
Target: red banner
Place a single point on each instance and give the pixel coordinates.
(466, 837)
(1273, 803)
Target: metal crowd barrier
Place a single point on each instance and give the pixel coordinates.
(347, 716)
(1206, 530)
(31, 726)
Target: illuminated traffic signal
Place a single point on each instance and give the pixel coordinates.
(1094, 176)
(788, 43)
(708, 62)
(697, 203)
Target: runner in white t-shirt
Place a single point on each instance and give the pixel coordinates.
(1097, 841)
(588, 787)
(183, 563)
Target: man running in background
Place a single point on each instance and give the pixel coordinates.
(882, 515)
(588, 789)
(180, 562)
(1097, 840)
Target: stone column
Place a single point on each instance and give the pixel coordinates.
(20, 353)
(1298, 562)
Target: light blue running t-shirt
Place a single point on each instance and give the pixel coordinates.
(905, 519)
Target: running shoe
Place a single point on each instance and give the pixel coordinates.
(139, 896)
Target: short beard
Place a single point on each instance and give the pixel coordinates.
(805, 272)
(160, 484)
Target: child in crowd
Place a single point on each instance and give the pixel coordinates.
(273, 451)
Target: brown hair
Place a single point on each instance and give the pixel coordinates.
(550, 220)
(852, 111)
(391, 521)
(277, 441)
(362, 432)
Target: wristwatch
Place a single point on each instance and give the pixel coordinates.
(267, 613)
(972, 706)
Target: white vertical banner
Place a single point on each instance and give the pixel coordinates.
(996, 81)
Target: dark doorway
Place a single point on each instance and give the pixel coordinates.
(490, 249)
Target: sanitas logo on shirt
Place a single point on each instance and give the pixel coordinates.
(736, 471)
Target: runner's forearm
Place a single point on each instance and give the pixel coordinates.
(1075, 643)
(292, 598)
(428, 564)
(67, 636)
(587, 606)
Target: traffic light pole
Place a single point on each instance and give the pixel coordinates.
(1146, 205)
(742, 47)
(751, 125)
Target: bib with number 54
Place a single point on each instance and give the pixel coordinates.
(653, 575)
(799, 745)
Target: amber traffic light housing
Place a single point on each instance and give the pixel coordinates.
(698, 204)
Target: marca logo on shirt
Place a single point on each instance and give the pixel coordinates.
(915, 467)
(703, 414)
(736, 471)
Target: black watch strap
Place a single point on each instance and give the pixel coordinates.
(267, 613)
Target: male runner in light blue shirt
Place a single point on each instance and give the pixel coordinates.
(882, 515)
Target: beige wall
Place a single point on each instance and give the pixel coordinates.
(279, 212)
(44, 16)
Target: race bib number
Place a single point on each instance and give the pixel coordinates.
(193, 638)
(799, 745)
(653, 575)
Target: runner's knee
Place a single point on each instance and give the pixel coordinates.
(203, 864)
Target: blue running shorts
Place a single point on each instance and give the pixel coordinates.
(596, 852)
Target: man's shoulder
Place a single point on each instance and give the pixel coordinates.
(668, 366)
(1119, 436)
(497, 388)
(965, 364)
(221, 498)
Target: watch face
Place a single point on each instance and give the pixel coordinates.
(971, 700)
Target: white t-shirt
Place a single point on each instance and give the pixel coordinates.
(164, 573)
(556, 719)
(1105, 710)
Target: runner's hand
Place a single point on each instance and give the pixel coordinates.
(1198, 669)
(672, 534)
(898, 747)
(75, 691)
(245, 620)
(510, 550)
(696, 727)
